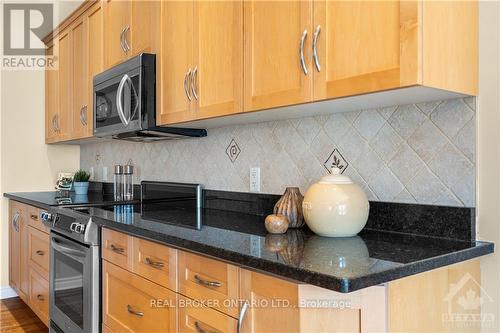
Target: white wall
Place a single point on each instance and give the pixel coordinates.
(26, 162)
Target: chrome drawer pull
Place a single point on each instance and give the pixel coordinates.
(116, 249)
(132, 311)
(40, 252)
(199, 329)
(40, 297)
(154, 264)
(301, 52)
(207, 283)
(243, 312)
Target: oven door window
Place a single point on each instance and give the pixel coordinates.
(117, 102)
(68, 281)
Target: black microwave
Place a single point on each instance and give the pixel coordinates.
(125, 103)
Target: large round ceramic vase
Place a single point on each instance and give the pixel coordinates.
(335, 206)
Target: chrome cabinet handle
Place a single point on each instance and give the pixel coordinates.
(132, 311)
(194, 75)
(186, 84)
(54, 123)
(207, 283)
(15, 221)
(301, 52)
(58, 129)
(121, 41)
(243, 312)
(40, 252)
(125, 43)
(40, 297)
(315, 48)
(83, 115)
(117, 249)
(199, 329)
(154, 264)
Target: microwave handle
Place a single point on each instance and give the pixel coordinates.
(119, 105)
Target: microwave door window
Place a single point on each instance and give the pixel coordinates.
(106, 112)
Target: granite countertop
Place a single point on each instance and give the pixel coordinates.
(340, 264)
(57, 198)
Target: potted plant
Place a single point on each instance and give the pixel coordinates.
(81, 182)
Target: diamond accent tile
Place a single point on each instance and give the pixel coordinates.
(336, 160)
(421, 153)
(233, 151)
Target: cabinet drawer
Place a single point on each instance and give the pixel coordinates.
(155, 262)
(198, 318)
(212, 282)
(134, 304)
(33, 216)
(38, 251)
(117, 248)
(39, 295)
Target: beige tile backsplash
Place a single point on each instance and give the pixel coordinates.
(418, 153)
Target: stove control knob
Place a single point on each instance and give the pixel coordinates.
(48, 218)
(77, 227)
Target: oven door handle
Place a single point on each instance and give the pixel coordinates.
(75, 254)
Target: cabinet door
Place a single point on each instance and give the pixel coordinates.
(24, 254)
(79, 78)
(14, 246)
(145, 28)
(38, 251)
(364, 46)
(95, 55)
(218, 58)
(39, 295)
(51, 99)
(134, 304)
(64, 117)
(273, 72)
(273, 304)
(176, 61)
(116, 19)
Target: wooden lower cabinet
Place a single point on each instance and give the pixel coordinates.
(29, 258)
(196, 318)
(39, 295)
(134, 304)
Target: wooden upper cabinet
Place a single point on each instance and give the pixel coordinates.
(95, 61)
(217, 81)
(116, 21)
(51, 99)
(65, 116)
(130, 28)
(358, 46)
(174, 104)
(273, 74)
(79, 81)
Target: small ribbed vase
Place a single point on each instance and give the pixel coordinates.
(290, 205)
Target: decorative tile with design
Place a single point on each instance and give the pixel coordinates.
(233, 151)
(336, 160)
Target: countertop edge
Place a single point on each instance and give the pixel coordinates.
(342, 285)
(39, 204)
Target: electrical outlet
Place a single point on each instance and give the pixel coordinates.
(104, 174)
(255, 179)
(255, 246)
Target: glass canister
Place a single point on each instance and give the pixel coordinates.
(118, 182)
(128, 182)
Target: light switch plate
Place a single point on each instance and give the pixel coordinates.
(255, 246)
(255, 179)
(104, 174)
(91, 172)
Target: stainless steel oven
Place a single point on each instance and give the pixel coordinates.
(74, 272)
